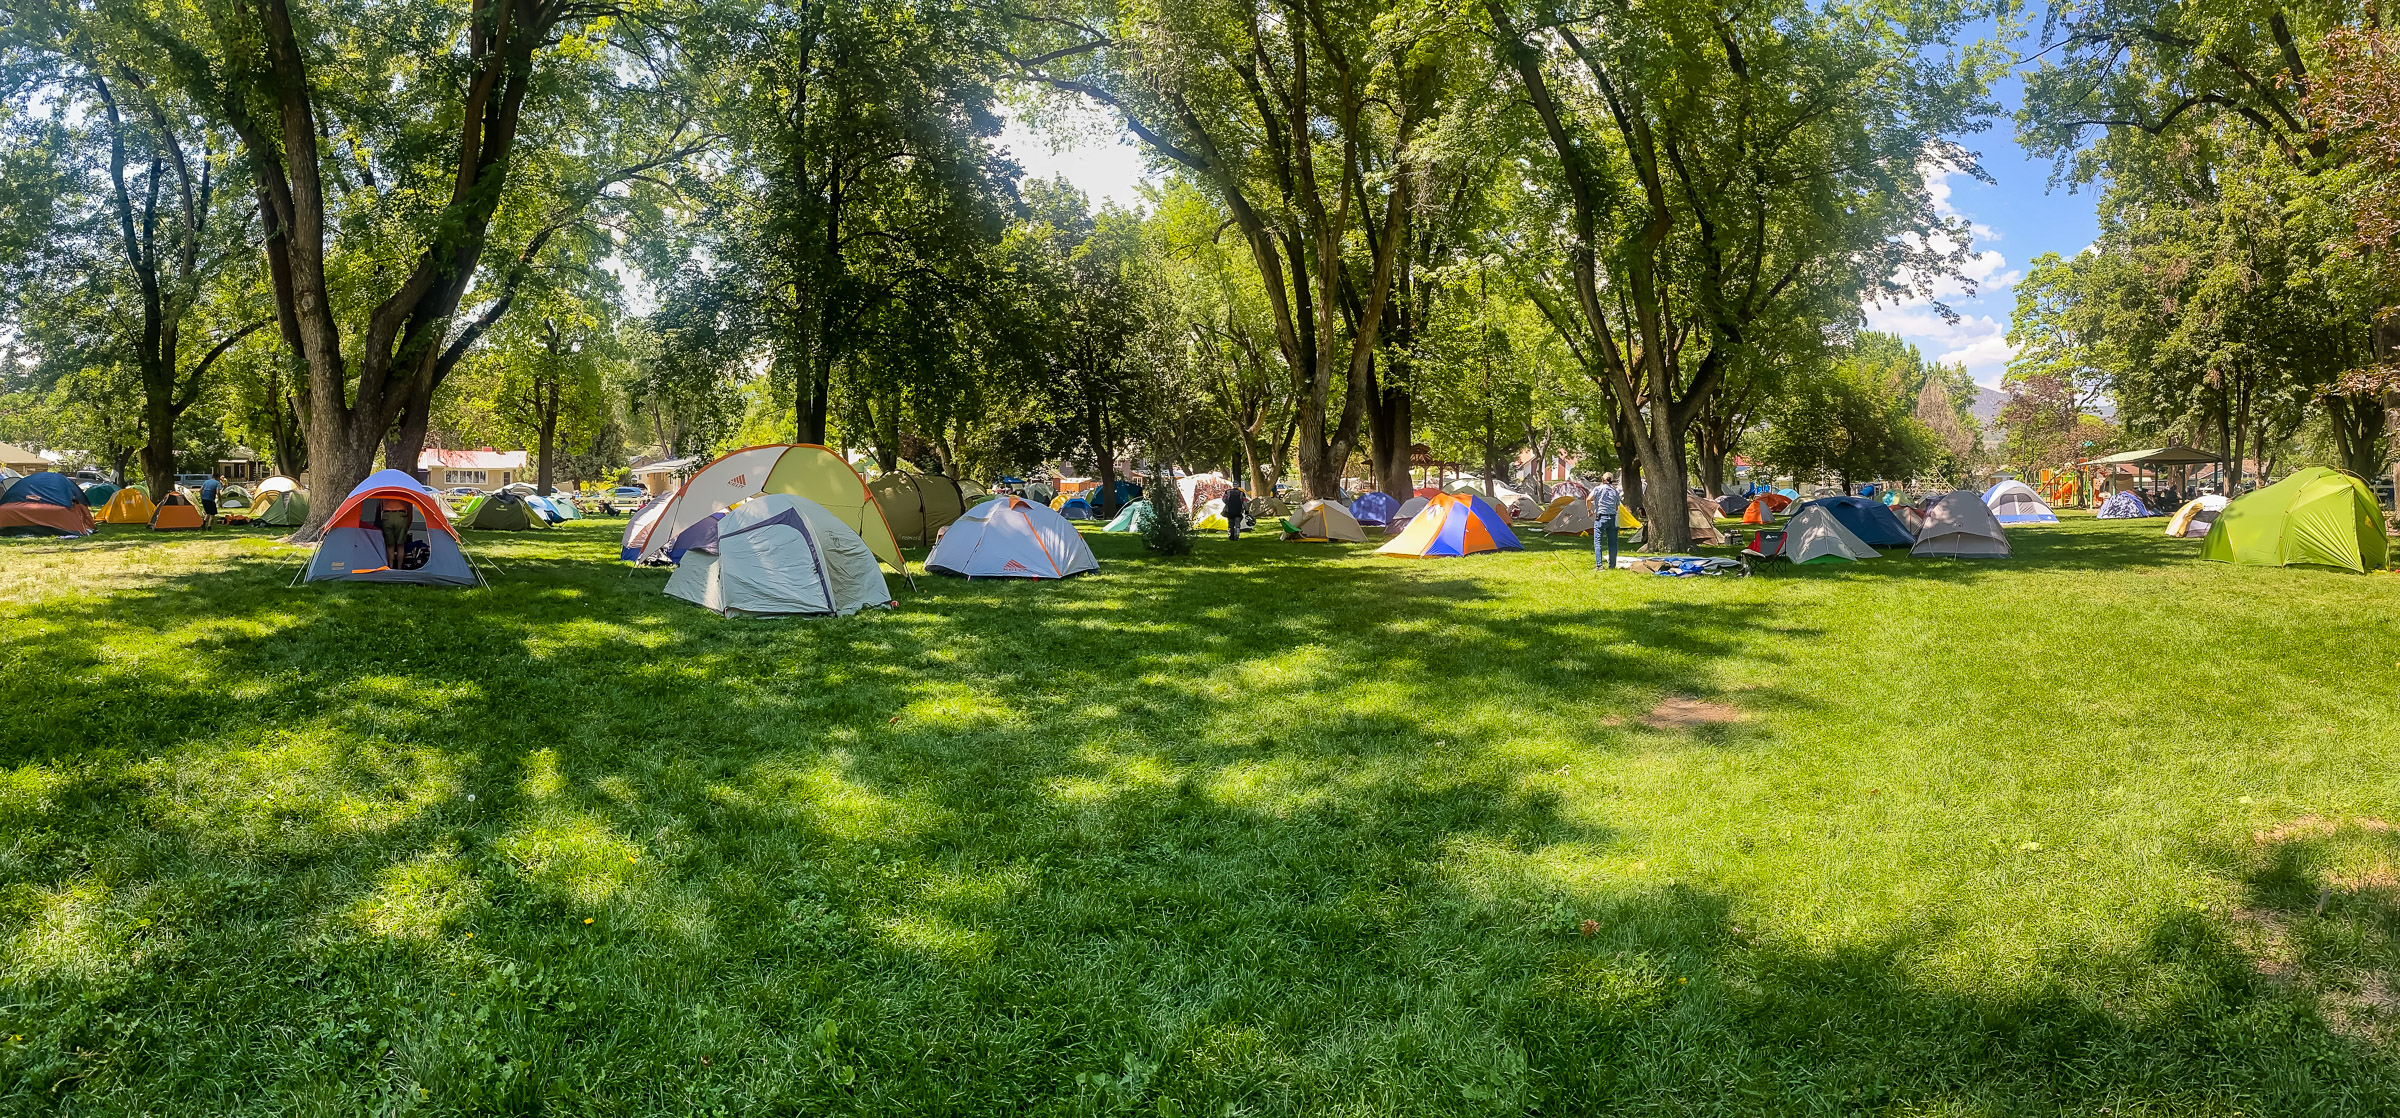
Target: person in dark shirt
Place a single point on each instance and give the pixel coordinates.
(395, 518)
(1237, 506)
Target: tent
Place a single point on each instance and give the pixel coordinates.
(1699, 514)
(1730, 506)
(281, 503)
(45, 504)
(1011, 538)
(500, 512)
(2317, 516)
(1453, 524)
(1408, 510)
(918, 506)
(564, 506)
(1372, 508)
(1815, 534)
(1557, 505)
(2123, 506)
(795, 469)
(1575, 519)
(1521, 507)
(1037, 491)
(2015, 502)
(129, 506)
(1199, 489)
(1075, 508)
(1134, 517)
(97, 494)
(544, 509)
(177, 513)
(1327, 522)
(1764, 508)
(1958, 525)
(352, 548)
(2196, 516)
(1268, 506)
(234, 497)
(1911, 517)
(1869, 520)
(639, 526)
(779, 554)
(1211, 517)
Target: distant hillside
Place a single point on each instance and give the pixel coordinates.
(1987, 405)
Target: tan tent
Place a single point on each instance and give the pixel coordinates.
(1557, 505)
(1574, 518)
(1324, 520)
(1958, 525)
(1815, 535)
(919, 506)
(1702, 516)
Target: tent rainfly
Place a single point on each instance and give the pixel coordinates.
(2316, 517)
(1134, 517)
(352, 548)
(1011, 537)
(1572, 519)
(1815, 534)
(919, 506)
(2197, 516)
(796, 469)
(780, 555)
(1958, 525)
(1325, 521)
(1373, 508)
(1453, 524)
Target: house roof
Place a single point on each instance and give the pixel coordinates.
(10, 452)
(484, 459)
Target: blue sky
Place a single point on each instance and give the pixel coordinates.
(2017, 218)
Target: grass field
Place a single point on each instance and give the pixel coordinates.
(1275, 829)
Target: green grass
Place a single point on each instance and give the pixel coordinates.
(1277, 829)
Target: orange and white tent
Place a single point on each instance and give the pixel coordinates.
(1011, 537)
(795, 469)
(176, 512)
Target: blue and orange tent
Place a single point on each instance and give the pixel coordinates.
(1453, 524)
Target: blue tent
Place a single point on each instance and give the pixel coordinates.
(352, 547)
(1374, 508)
(1076, 508)
(2123, 506)
(1127, 492)
(1869, 520)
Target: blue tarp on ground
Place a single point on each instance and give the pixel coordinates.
(1872, 522)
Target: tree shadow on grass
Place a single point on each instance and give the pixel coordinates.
(1254, 831)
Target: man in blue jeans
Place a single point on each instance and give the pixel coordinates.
(1605, 500)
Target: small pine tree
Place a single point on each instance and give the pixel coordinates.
(1169, 530)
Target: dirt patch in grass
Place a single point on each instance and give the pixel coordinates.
(1683, 712)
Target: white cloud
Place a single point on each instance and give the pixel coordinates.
(1977, 339)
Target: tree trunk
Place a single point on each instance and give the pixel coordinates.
(158, 451)
(1390, 419)
(549, 436)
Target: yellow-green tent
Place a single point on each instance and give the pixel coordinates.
(2316, 516)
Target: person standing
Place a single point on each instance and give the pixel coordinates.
(1605, 499)
(209, 491)
(395, 518)
(1237, 506)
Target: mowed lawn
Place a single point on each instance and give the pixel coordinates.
(1276, 829)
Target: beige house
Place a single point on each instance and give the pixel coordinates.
(485, 469)
(22, 460)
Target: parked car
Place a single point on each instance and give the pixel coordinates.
(463, 491)
(628, 493)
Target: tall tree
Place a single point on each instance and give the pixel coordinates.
(1303, 118)
(378, 178)
(1726, 167)
(150, 251)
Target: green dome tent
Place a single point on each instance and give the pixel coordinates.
(2317, 516)
(500, 512)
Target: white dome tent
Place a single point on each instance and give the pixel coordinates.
(778, 554)
(1010, 537)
